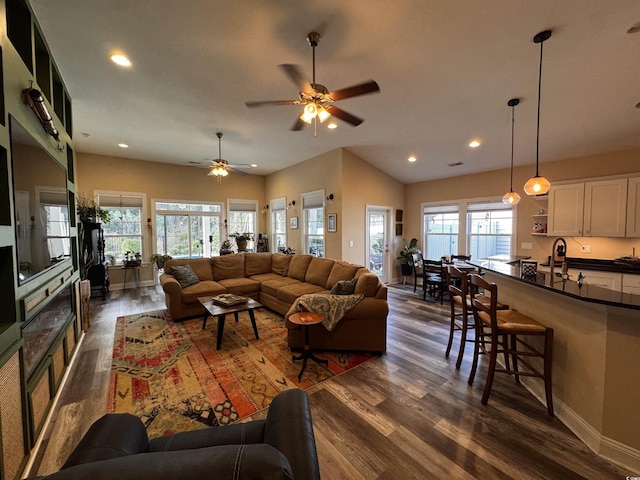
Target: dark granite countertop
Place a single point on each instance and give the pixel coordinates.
(586, 292)
(601, 265)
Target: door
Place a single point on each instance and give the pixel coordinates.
(377, 247)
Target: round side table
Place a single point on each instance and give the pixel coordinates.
(307, 319)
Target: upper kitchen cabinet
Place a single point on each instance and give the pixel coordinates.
(589, 209)
(633, 208)
(605, 208)
(566, 206)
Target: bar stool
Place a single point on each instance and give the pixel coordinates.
(463, 321)
(501, 331)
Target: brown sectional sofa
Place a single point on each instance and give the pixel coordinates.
(276, 281)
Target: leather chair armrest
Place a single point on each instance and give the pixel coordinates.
(289, 428)
(170, 285)
(112, 436)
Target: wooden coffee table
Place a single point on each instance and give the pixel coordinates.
(215, 310)
(307, 319)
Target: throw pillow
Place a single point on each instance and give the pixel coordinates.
(185, 275)
(344, 287)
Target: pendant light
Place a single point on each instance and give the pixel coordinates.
(512, 198)
(538, 185)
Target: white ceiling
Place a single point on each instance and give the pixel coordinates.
(446, 69)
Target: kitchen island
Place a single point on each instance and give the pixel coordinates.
(596, 355)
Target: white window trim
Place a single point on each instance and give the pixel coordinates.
(274, 204)
(302, 224)
(143, 215)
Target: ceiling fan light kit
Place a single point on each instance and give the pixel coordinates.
(538, 185)
(512, 198)
(316, 99)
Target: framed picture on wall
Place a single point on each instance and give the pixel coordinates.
(293, 222)
(398, 229)
(399, 215)
(332, 225)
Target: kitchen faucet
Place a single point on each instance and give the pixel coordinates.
(557, 255)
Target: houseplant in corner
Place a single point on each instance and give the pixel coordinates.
(160, 259)
(406, 256)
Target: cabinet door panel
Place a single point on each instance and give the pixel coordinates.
(565, 210)
(633, 208)
(605, 208)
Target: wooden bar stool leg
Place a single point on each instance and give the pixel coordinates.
(463, 341)
(493, 358)
(548, 354)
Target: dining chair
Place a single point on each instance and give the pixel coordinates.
(513, 334)
(528, 270)
(434, 279)
(418, 271)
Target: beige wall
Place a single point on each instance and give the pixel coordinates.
(496, 183)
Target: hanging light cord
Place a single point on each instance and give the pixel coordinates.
(538, 124)
(513, 114)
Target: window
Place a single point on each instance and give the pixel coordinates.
(187, 229)
(54, 215)
(441, 224)
(124, 231)
(480, 228)
(490, 226)
(242, 218)
(313, 223)
(278, 224)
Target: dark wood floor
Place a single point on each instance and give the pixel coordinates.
(406, 415)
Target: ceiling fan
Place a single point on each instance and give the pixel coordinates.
(316, 99)
(221, 168)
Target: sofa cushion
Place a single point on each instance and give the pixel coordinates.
(263, 277)
(280, 263)
(318, 271)
(241, 286)
(185, 275)
(341, 271)
(271, 287)
(256, 263)
(344, 287)
(289, 293)
(200, 266)
(228, 266)
(202, 289)
(298, 266)
(367, 285)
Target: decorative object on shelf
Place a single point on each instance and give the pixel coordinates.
(35, 100)
(89, 211)
(332, 222)
(242, 239)
(316, 99)
(132, 259)
(293, 223)
(538, 185)
(406, 256)
(160, 259)
(512, 198)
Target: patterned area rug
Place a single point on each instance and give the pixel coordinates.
(172, 377)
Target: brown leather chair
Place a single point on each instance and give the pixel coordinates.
(504, 331)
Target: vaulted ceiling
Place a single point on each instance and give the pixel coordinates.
(446, 69)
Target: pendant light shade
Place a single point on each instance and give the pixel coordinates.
(538, 185)
(512, 198)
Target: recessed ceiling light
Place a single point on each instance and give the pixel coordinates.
(412, 159)
(474, 144)
(254, 165)
(121, 60)
(332, 125)
(123, 145)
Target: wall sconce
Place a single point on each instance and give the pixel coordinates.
(291, 204)
(34, 99)
(265, 209)
(328, 200)
(149, 223)
(32, 222)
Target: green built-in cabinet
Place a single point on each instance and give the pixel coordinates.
(28, 383)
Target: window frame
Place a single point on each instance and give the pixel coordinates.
(313, 200)
(105, 203)
(278, 207)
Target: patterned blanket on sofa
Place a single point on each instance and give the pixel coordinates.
(333, 307)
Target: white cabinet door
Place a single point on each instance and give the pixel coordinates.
(566, 205)
(630, 283)
(633, 208)
(605, 208)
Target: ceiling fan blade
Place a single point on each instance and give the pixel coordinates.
(355, 90)
(267, 103)
(342, 115)
(238, 172)
(297, 77)
(297, 126)
(239, 165)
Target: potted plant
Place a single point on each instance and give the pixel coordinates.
(160, 259)
(132, 259)
(406, 256)
(242, 239)
(89, 211)
(225, 248)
